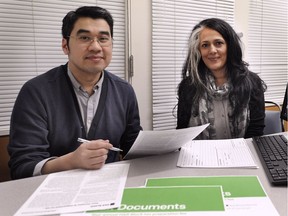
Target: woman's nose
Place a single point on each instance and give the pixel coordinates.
(213, 49)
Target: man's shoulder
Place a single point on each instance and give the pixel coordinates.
(114, 78)
(51, 75)
(42, 82)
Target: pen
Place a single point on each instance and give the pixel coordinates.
(84, 140)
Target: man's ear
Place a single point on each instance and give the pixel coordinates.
(65, 47)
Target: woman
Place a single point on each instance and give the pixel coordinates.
(217, 87)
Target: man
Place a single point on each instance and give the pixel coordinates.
(77, 100)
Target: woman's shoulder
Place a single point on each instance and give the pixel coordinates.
(185, 86)
(253, 75)
(256, 81)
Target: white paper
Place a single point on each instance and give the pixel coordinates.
(234, 206)
(160, 142)
(246, 206)
(216, 154)
(78, 190)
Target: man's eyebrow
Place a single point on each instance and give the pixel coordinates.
(80, 31)
(105, 33)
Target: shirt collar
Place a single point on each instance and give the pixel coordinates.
(78, 86)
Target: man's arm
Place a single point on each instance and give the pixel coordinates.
(90, 156)
(133, 126)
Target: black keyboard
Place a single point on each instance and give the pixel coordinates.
(272, 151)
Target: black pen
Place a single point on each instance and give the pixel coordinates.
(84, 140)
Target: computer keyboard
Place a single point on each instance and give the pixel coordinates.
(272, 151)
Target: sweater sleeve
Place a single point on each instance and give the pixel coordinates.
(28, 133)
(184, 105)
(257, 111)
(133, 123)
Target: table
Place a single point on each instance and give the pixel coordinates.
(14, 193)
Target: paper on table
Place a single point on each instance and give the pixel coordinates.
(78, 190)
(183, 196)
(167, 201)
(243, 195)
(216, 154)
(160, 142)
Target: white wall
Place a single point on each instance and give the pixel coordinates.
(141, 26)
(141, 49)
(241, 21)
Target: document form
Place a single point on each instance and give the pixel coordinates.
(160, 142)
(78, 191)
(216, 154)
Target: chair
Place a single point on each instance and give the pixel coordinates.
(4, 158)
(273, 121)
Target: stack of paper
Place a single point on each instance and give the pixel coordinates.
(220, 195)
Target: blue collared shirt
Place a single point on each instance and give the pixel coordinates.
(88, 104)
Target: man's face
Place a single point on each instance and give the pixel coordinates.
(85, 55)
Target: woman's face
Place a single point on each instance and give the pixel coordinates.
(213, 49)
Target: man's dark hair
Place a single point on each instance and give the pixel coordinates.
(93, 12)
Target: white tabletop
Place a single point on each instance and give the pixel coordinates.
(14, 193)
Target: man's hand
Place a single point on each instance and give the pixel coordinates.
(89, 155)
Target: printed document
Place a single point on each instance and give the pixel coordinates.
(160, 142)
(183, 196)
(78, 191)
(216, 154)
(175, 200)
(243, 195)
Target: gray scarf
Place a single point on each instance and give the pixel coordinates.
(206, 114)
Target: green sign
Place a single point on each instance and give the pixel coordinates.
(170, 199)
(233, 186)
